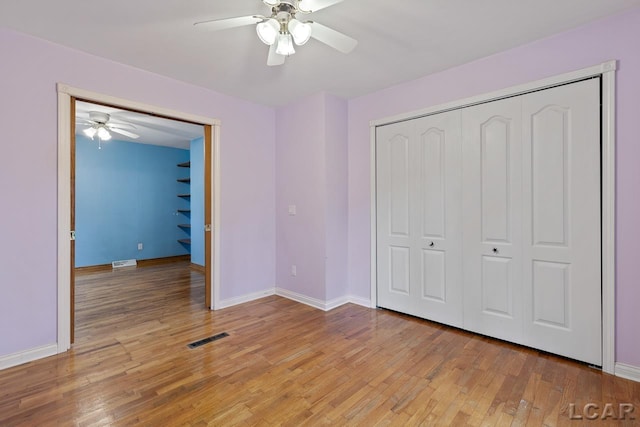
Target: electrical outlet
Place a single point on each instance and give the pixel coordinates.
(139, 246)
(294, 270)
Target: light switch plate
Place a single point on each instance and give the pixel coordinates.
(292, 209)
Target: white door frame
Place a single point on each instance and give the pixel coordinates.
(607, 71)
(65, 94)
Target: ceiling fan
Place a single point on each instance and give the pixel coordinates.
(101, 126)
(282, 29)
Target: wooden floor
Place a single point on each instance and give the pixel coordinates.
(284, 363)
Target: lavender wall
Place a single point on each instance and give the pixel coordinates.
(28, 174)
(311, 159)
(300, 181)
(613, 38)
(336, 210)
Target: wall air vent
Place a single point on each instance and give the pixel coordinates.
(124, 263)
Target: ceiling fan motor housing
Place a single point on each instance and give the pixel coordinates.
(99, 117)
(283, 12)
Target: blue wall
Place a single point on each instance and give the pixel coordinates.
(197, 201)
(126, 193)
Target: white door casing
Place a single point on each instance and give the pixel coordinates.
(65, 95)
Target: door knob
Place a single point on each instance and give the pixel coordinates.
(431, 244)
(495, 250)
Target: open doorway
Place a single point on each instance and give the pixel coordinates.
(67, 97)
(138, 196)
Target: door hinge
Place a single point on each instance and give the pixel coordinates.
(73, 235)
(207, 227)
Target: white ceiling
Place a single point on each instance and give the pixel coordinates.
(399, 40)
(152, 130)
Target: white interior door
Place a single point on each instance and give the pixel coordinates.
(492, 224)
(418, 205)
(562, 224)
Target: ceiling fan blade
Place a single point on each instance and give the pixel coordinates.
(121, 125)
(333, 38)
(308, 6)
(274, 59)
(224, 24)
(124, 132)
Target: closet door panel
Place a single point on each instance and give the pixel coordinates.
(491, 205)
(562, 248)
(433, 269)
(398, 172)
(438, 188)
(432, 147)
(495, 173)
(399, 266)
(497, 287)
(418, 205)
(393, 199)
(549, 174)
(552, 295)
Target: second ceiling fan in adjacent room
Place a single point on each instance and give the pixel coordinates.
(101, 126)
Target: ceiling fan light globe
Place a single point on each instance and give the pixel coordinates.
(104, 134)
(90, 132)
(285, 45)
(268, 31)
(300, 31)
(271, 2)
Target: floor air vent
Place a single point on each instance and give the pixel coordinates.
(208, 340)
(124, 263)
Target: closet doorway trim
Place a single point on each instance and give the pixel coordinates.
(606, 71)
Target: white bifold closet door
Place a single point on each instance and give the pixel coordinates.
(418, 182)
(488, 218)
(562, 252)
(492, 220)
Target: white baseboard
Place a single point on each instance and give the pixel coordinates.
(627, 371)
(294, 296)
(322, 305)
(21, 357)
(336, 302)
(364, 302)
(246, 298)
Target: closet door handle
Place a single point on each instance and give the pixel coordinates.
(495, 250)
(431, 244)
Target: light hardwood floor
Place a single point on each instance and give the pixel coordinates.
(284, 363)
